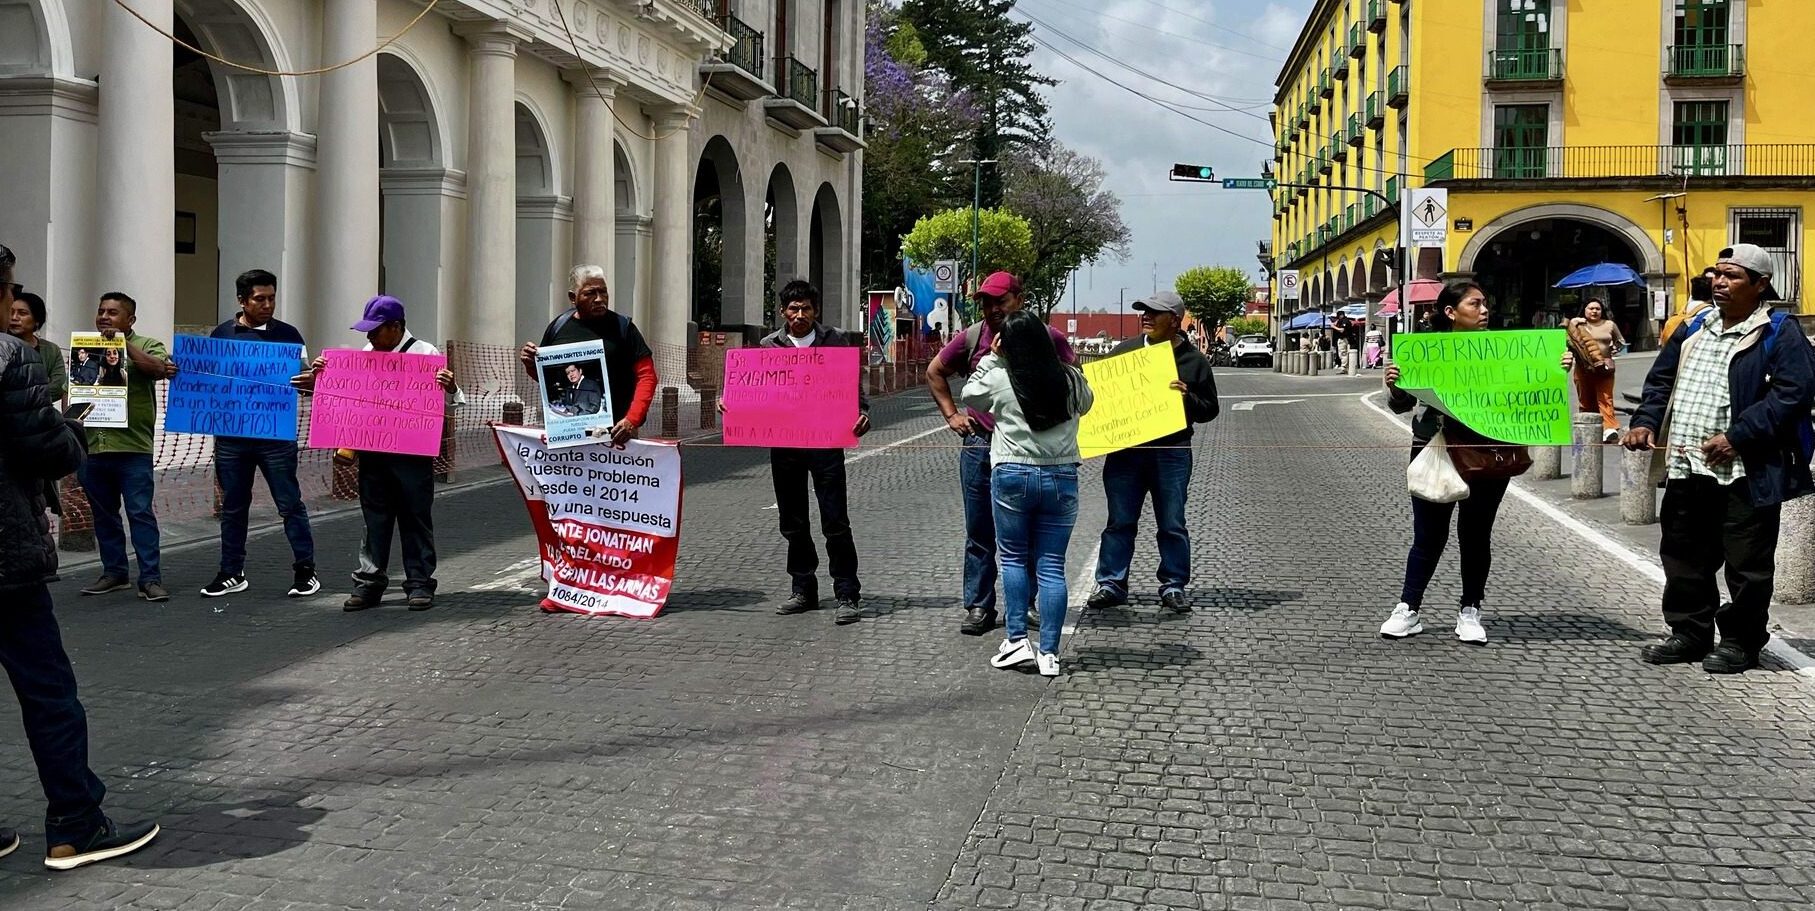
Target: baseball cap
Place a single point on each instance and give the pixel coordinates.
(1162, 302)
(1753, 257)
(380, 310)
(999, 284)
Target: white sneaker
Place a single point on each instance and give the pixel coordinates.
(1011, 653)
(1404, 622)
(1468, 626)
(1049, 664)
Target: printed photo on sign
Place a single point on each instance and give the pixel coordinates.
(379, 401)
(576, 399)
(97, 377)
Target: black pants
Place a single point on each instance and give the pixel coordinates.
(1706, 525)
(397, 492)
(31, 650)
(791, 468)
(1474, 538)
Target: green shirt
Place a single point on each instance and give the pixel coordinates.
(141, 404)
(55, 369)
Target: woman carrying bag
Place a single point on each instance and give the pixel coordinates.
(1596, 339)
(1036, 400)
(1451, 465)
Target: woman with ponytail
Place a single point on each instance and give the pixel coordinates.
(1036, 401)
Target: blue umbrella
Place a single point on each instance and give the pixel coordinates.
(1312, 320)
(1601, 275)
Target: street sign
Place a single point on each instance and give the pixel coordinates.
(945, 276)
(1288, 284)
(1250, 183)
(1426, 217)
(1071, 327)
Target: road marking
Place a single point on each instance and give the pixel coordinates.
(867, 453)
(1250, 406)
(1080, 591)
(512, 577)
(1800, 663)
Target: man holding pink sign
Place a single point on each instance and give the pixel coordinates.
(386, 411)
(808, 406)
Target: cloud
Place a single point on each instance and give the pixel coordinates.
(1226, 49)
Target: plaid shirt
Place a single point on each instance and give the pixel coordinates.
(1703, 404)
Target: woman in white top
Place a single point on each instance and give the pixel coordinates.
(1036, 400)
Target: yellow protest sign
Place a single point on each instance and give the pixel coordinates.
(1135, 403)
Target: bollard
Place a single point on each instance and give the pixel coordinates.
(1546, 462)
(1354, 363)
(1313, 364)
(513, 414)
(671, 412)
(1795, 583)
(709, 407)
(1638, 495)
(1585, 479)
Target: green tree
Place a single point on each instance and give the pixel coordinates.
(1248, 325)
(1214, 294)
(1004, 240)
(1072, 218)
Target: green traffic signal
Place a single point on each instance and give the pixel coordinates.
(1193, 172)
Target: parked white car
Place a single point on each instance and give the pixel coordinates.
(1253, 349)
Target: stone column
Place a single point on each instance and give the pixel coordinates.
(265, 177)
(491, 185)
(136, 165)
(346, 184)
(595, 217)
(422, 209)
(673, 296)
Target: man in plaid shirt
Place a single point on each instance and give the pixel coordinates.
(1728, 402)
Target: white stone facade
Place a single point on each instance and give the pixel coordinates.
(462, 169)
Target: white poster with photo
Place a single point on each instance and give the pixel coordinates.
(97, 377)
(576, 397)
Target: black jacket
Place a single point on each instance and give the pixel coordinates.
(36, 445)
(1201, 405)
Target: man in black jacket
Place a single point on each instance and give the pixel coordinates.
(38, 445)
(1161, 468)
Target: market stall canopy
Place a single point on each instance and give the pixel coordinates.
(1421, 291)
(1313, 320)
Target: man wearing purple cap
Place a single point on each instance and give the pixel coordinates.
(395, 490)
(1726, 408)
(999, 296)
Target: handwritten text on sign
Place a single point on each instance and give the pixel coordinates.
(607, 520)
(791, 397)
(233, 388)
(1507, 386)
(378, 401)
(1135, 403)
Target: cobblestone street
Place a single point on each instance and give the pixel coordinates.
(1267, 751)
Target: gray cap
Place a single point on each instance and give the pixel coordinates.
(1162, 302)
(1749, 256)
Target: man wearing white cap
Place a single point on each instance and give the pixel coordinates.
(1726, 408)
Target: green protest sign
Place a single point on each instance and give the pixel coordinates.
(1506, 386)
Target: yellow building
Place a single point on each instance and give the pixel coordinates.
(1646, 132)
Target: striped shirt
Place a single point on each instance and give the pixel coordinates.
(1703, 405)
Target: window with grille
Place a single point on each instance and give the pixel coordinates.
(1521, 138)
(1777, 231)
(1698, 133)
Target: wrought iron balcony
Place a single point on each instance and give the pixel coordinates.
(738, 72)
(796, 96)
(1339, 67)
(1324, 86)
(1624, 162)
(1357, 133)
(1525, 66)
(1339, 150)
(845, 134)
(1705, 63)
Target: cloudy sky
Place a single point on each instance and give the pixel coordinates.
(1228, 50)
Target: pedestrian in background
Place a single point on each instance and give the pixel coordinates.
(1701, 297)
(1728, 402)
(25, 321)
(1596, 340)
(1160, 469)
(1460, 307)
(1035, 399)
(119, 467)
(38, 447)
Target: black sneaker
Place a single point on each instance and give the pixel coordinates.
(978, 621)
(1674, 650)
(107, 842)
(107, 584)
(225, 584)
(9, 842)
(155, 592)
(1104, 598)
(360, 600)
(1175, 602)
(798, 603)
(1730, 658)
(421, 601)
(847, 612)
(305, 583)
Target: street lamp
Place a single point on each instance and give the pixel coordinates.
(976, 203)
(1121, 321)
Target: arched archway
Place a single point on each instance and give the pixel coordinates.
(825, 255)
(1339, 292)
(1380, 277)
(719, 296)
(544, 223)
(632, 229)
(781, 237)
(417, 195)
(1358, 278)
(1519, 261)
(1314, 298)
(36, 41)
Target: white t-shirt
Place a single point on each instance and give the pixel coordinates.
(805, 341)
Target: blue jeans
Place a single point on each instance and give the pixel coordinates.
(31, 650)
(1036, 507)
(1129, 477)
(235, 463)
(979, 524)
(110, 478)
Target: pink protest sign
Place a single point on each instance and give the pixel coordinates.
(378, 401)
(791, 398)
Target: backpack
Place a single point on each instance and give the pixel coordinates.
(973, 335)
(1805, 428)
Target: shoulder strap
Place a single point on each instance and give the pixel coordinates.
(560, 323)
(1695, 325)
(407, 345)
(973, 334)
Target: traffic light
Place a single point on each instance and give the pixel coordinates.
(1193, 172)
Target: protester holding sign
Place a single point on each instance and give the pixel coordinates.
(790, 467)
(118, 469)
(1035, 399)
(1461, 307)
(629, 364)
(238, 458)
(1160, 468)
(396, 489)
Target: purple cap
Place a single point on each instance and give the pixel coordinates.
(380, 310)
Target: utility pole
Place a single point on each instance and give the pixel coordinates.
(1121, 321)
(976, 204)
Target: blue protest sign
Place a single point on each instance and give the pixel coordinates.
(231, 388)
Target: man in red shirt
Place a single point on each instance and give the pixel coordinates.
(629, 364)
